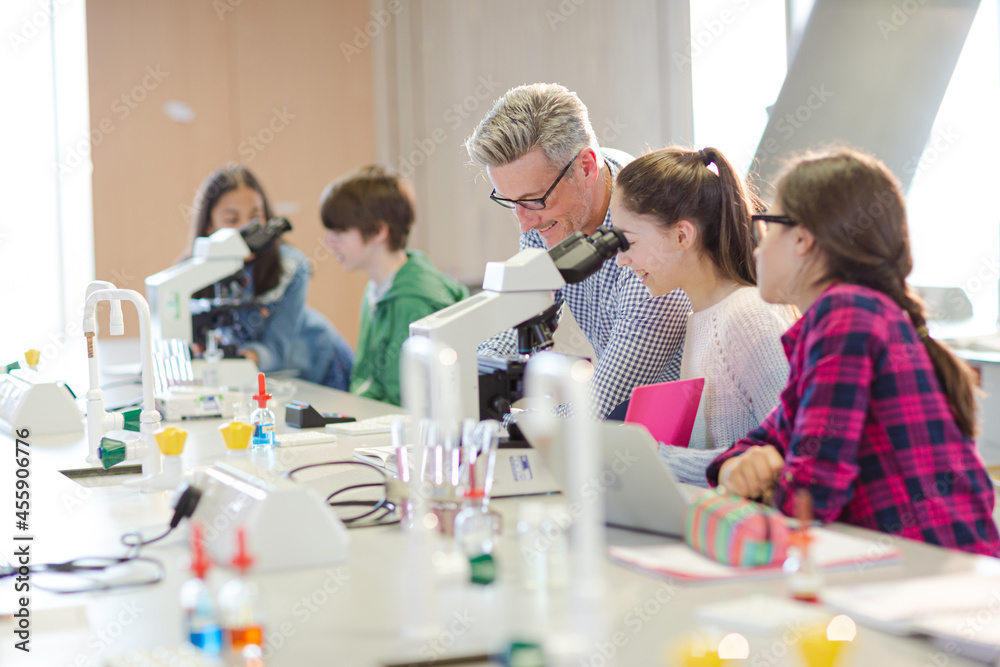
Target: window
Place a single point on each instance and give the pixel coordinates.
(731, 91)
(46, 232)
(951, 206)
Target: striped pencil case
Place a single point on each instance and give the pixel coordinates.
(735, 531)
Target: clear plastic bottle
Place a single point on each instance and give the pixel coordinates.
(803, 576)
(240, 605)
(262, 419)
(201, 622)
(213, 355)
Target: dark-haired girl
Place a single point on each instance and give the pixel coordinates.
(278, 331)
(878, 419)
(686, 215)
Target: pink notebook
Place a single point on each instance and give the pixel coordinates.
(667, 409)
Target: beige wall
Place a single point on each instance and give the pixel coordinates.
(439, 66)
(235, 62)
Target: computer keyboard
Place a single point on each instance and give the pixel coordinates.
(371, 426)
(303, 438)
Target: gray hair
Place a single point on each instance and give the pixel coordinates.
(546, 116)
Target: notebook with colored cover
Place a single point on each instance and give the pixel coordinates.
(667, 409)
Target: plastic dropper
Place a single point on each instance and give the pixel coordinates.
(239, 601)
(201, 623)
(804, 578)
(262, 419)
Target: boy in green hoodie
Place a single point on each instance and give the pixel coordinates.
(368, 214)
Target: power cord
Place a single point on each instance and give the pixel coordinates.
(87, 566)
(389, 508)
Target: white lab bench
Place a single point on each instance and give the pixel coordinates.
(353, 614)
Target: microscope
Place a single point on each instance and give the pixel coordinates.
(516, 293)
(197, 295)
(196, 302)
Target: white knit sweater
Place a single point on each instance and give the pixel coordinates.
(736, 346)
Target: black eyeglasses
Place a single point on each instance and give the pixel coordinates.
(532, 204)
(761, 221)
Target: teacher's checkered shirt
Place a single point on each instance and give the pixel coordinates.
(638, 338)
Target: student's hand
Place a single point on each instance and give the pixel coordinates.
(752, 473)
(252, 356)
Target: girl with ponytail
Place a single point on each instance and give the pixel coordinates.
(878, 418)
(686, 215)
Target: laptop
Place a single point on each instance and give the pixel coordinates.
(640, 492)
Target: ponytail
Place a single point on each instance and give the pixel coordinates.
(674, 184)
(734, 254)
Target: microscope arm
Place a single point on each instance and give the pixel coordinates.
(466, 324)
(170, 291)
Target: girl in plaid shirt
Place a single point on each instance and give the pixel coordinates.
(877, 420)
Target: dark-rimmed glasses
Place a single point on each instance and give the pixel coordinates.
(532, 204)
(762, 220)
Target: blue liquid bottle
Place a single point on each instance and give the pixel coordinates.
(201, 622)
(262, 419)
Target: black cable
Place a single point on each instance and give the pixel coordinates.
(376, 505)
(79, 566)
(184, 507)
(138, 543)
(355, 503)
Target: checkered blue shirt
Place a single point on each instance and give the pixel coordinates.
(638, 338)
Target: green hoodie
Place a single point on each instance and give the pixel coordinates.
(418, 289)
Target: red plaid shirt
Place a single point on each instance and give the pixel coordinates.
(863, 424)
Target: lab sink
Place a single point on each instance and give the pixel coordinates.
(92, 477)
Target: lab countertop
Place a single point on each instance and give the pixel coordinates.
(355, 613)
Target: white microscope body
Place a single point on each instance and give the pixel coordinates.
(169, 292)
(513, 291)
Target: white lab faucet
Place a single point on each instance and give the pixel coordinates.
(100, 422)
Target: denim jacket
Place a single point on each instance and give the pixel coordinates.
(287, 334)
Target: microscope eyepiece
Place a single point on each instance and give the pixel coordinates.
(259, 237)
(578, 256)
(609, 241)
